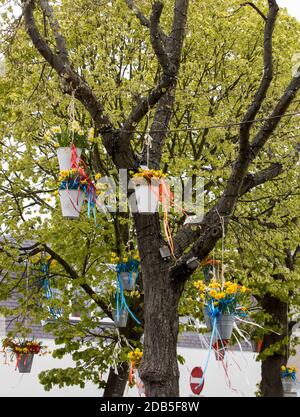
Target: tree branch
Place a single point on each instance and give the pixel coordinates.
(173, 47)
(144, 21)
(73, 274)
(249, 3)
(71, 81)
(168, 58)
(260, 95)
(60, 41)
(155, 37)
(142, 18)
(253, 180)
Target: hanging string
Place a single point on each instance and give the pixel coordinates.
(148, 143)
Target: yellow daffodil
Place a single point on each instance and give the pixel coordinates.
(214, 284)
(231, 290)
(213, 293)
(75, 126)
(56, 145)
(98, 176)
(220, 296)
(56, 129)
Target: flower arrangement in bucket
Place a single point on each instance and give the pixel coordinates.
(127, 273)
(127, 270)
(222, 302)
(149, 189)
(288, 378)
(135, 358)
(70, 192)
(74, 186)
(24, 351)
(62, 139)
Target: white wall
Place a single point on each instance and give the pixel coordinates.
(14, 384)
(242, 370)
(243, 374)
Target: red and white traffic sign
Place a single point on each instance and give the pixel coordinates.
(195, 380)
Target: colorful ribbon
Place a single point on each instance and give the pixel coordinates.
(121, 304)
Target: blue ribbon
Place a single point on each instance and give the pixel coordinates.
(121, 303)
(70, 185)
(55, 313)
(214, 312)
(287, 374)
(131, 266)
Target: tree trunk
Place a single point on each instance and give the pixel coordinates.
(159, 369)
(271, 379)
(116, 384)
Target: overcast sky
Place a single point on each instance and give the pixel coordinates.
(293, 7)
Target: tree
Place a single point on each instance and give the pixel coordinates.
(231, 157)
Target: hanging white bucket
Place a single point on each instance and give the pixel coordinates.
(225, 325)
(147, 197)
(121, 318)
(288, 385)
(128, 280)
(64, 156)
(71, 202)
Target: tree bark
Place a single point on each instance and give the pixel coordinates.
(116, 383)
(159, 369)
(271, 379)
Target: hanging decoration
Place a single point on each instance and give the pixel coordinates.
(44, 263)
(289, 378)
(127, 275)
(222, 303)
(134, 359)
(151, 189)
(55, 312)
(75, 183)
(24, 351)
(147, 189)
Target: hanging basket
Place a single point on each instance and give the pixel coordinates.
(128, 280)
(25, 363)
(147, 197)
(71, 203)
(64, 156)
(225, 324)
(120, 318)
(288, 385)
